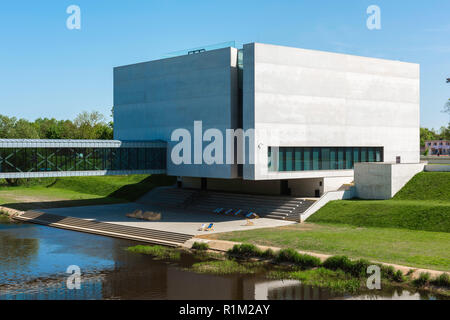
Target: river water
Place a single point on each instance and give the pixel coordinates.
(34, 260)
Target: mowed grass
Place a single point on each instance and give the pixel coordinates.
(421, 249)
(406, 214)
(427, 186)
(423, 204)
(412, 229)
(73, 191)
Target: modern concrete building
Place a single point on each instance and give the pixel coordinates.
(263, 119)
(309, 115)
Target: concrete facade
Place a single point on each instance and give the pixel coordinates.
(290, 97)
(153, 99)
(383, 180)
(296, 97)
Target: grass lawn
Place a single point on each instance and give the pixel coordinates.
(425, 215)
(412, 229)
(422, 249)
(78, 191)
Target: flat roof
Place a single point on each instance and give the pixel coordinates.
(63, 143)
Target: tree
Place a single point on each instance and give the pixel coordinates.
(427, 134)
(87, 125)
(6, 126)
(23, 129)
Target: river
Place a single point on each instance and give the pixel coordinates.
(34, 261)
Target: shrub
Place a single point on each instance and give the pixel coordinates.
(442, 281)
(338, 262)
(422, 280)
(398, 276)
(356, 268)
(302, 260)
(269, 254)
(200, 246)
(359, 267)
(387, 272)
(245, 250)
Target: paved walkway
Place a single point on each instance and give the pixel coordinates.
(174, 220)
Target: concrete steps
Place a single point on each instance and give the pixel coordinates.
(152, 236)
(169, 197)
(274, 207)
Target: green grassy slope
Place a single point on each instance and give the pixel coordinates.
(426, 186)
(109, 188)
(423, 204)
(124, 187)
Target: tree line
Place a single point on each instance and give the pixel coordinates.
(431, 134)
(86, 125)
(93, 125)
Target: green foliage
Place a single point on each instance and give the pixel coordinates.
(427, 134)
(269, 254)
(387, 272)
(335, 280)
(158, 252)
(422, 280)
(200, 246)
(357, 268)
(87, 125)
(398, 276)
(245, 250)
(304, 261)
(337, 262)
(222, 267)
(441, 281)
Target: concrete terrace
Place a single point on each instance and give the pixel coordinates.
(173, 220)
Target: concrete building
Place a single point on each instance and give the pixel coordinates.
(263, 119)
(312, 115)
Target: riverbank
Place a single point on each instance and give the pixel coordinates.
(412, 229)
(336, 273)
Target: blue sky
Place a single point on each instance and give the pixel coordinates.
(48, 70)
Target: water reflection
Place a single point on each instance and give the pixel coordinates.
(33, 260)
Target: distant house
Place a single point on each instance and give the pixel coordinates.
(438, 147)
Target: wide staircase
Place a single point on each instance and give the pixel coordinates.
(153, 236)
(274, 207)
(169, 197)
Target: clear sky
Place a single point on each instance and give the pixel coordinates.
(47, 70)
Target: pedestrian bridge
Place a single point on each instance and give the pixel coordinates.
(23, 158)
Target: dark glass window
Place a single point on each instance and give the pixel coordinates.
(81, 159)
(321, 158)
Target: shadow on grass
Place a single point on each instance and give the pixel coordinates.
(126, 193)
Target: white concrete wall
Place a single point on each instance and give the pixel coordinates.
(383, 180)
(335, 183)
(154, 98)
(327, 197)
(297, 97)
